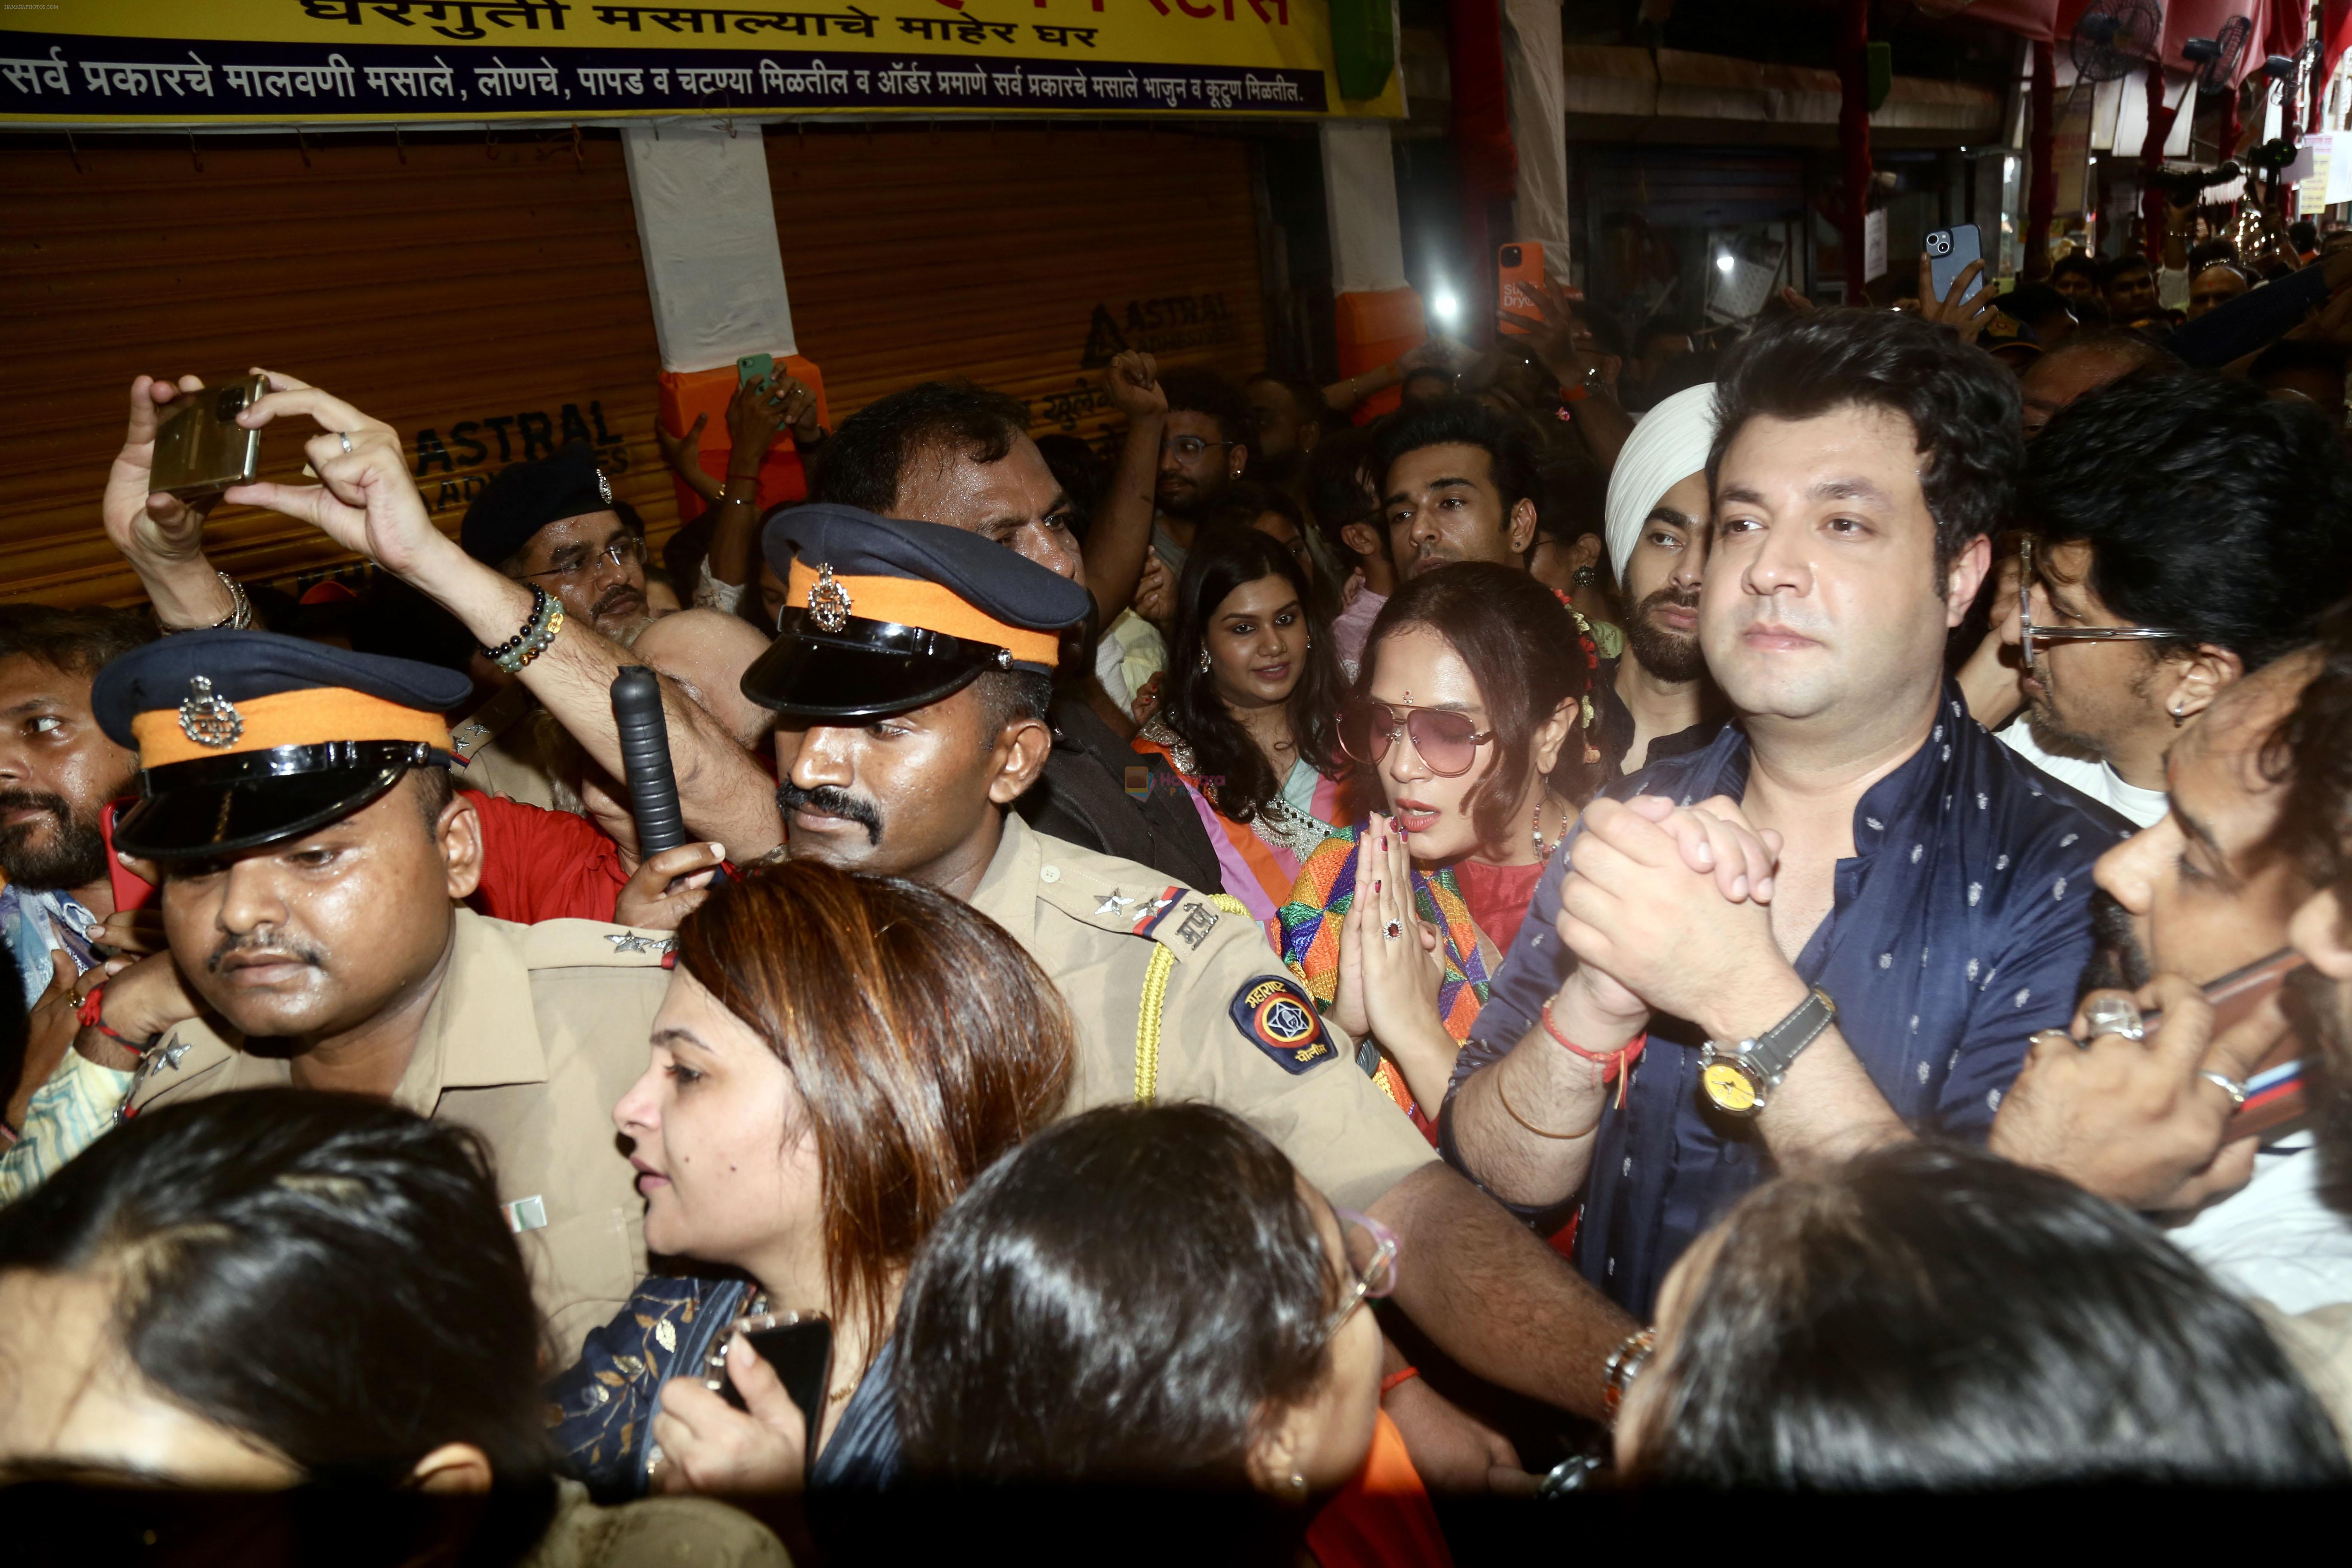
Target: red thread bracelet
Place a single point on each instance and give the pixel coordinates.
(1617, 1064)
(1397, 1379)
(91, 1014)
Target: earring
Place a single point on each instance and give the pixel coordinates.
(1294, 1488)
(2178, 718)
(1584, 577)
(1204, 661)
(1537, 830)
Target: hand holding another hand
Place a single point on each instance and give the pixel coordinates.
(1669, 902)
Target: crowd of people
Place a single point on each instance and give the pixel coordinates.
(1767, 913)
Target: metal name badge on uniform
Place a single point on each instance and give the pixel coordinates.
(1280, 1019)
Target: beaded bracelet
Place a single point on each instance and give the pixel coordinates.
(536, 634)
(1624, 1365)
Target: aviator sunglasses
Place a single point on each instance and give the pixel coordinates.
(1447, 741)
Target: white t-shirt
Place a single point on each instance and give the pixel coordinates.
(2273, 1239)
(2141, 808)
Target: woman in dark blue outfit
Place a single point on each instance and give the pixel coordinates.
(838, 1057)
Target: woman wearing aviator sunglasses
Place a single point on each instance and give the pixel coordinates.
(1471, 716)
(1153, 1294)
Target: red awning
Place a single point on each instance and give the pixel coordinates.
(2035, 19)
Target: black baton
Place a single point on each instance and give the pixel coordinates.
(645, 760)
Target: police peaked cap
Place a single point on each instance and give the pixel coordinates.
(246, 739)
(524, 498)
(882, 614)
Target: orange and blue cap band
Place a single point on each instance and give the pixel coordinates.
(316, 716)
(912, 602)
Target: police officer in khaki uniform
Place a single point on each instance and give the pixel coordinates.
(889, 622)
(912, 674)
(313, 853)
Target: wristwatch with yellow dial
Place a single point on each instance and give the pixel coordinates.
(1740, 1078)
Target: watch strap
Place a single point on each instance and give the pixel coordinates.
(1777, 1047)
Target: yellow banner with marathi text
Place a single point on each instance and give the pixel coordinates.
(320, 62)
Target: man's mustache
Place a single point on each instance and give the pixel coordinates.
(2119, 963)
(827, 801)
(616, 596)
(1681, 599)
(299, 951)
(23, 799)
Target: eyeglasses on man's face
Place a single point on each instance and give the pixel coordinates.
(624, 552)
(1188, 448)
(2028, 634)
(1373, 1250)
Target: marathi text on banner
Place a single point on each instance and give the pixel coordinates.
(315, 61)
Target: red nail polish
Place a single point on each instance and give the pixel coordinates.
(1376, 885)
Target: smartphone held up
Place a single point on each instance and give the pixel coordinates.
(1950, 252)
(199, 448)
(1517, 265)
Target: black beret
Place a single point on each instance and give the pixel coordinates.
(524, 498)
(882, 614)
(224, 768)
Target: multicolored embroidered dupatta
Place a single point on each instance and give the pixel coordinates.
(1260, 858)
(1317, 908)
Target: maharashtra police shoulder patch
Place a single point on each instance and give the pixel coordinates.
(1273, 1015)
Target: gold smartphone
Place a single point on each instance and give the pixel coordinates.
(201, 449)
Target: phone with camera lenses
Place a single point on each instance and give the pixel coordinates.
(1949, 253)
(1517, 265)
(199, 448)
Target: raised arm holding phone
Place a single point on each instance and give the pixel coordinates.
(367, 502)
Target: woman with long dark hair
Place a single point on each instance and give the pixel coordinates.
(1152, 1295)
(1472, 712)
(838, 1057)
(1933, 1318)
(1246, 721)
(279, 1287)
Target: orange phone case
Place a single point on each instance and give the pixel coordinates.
(1510, 291)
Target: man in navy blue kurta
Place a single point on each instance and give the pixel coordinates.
(1936, 889)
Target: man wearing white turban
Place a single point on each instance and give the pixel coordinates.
(1657, 535)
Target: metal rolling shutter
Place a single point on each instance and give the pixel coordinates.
(467, 286)
(1020, 257)
(466, 290)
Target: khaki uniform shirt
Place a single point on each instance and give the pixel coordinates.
(2319, 1344)
(1234, 1028)
(500, 750)
(537, 1031)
